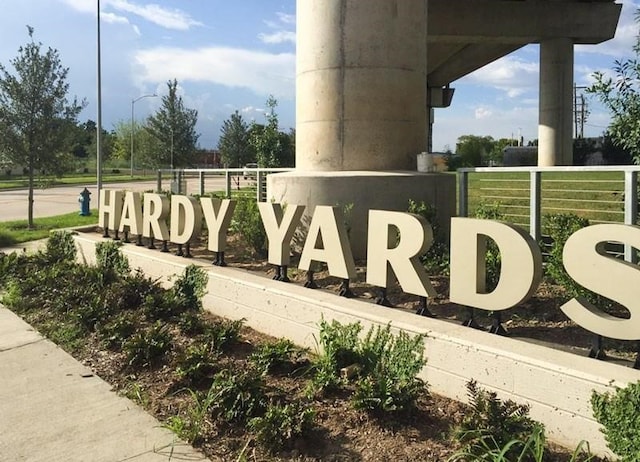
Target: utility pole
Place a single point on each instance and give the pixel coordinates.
(580, 111)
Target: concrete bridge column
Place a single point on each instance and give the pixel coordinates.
(555, 130)
(361, 112)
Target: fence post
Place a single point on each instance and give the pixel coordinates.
(259, 179)
(463, 191)
(535, 203)
(201, 181)
(630, 209)
(159, 182)
(227, 184)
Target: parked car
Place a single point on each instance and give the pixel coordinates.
(247, 173)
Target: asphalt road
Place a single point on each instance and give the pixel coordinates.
(60, 200)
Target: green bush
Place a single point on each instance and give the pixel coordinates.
(387, 365)
(196, 363)
(190, 426)
(60, 247)
(281, 425)
(436, 260)
(274, 355)
(339, 344)
(221, 334)
(559, 227)
(619, 414)
(248, 223)
(190, 287)
(390, 365)
(147, 346)
(493, 423)
(239, 395)
(118, 329)
(110, 261)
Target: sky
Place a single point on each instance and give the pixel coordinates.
(231, 55)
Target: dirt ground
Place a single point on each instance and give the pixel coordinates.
(342, 433)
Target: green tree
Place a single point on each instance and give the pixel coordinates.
(474, 151)
(235, 145)
(174, 128)
(37, 121)
(145, 144)
(621, 95)
(272, 147)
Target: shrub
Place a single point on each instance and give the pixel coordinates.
(60, 247)
(191, 323)
(437, 257)
(239, 395)
(620, 417)
(281, 425)
(339, 343)
(190, 287)
(275, 355)
(110, 260)
(196, 363)
(222, 333)
(559, 227)
(129, 293)
(390, 364)
(190, 427)
(493, 423)
(149, 345)
(248, 223)
(118, 329)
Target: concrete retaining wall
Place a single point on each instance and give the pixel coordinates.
(556, 384)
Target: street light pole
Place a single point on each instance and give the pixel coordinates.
(99, 117)
(133, 102)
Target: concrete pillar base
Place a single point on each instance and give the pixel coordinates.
(366, 190)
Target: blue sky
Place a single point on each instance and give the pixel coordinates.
(231, 55)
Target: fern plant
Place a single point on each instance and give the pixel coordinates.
(391, 364)
(281, 425)
(492, 422)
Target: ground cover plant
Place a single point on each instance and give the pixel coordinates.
(234, 393)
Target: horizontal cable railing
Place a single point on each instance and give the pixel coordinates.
(603, 194)
(226, 182)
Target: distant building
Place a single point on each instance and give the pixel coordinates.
(208, 158)
(520, 156)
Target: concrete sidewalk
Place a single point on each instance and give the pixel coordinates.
(52, 408)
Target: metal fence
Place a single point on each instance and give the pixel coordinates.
(229, 182)
(604, 194)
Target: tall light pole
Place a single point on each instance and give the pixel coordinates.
(133, 102)
(99, 118)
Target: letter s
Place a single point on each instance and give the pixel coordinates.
(587, 263)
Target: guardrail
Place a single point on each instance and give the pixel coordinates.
(254, 180)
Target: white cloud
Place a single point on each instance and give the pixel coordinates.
(165, 17)
(483, 113)
(113, 18)
(287, 18)
(280, 36)
(261, 72)
(282, 30)
(510, 74)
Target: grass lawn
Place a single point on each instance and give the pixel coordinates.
(16, 232)
(12, 182)
(597, 196)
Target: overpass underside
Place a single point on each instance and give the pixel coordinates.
(463, 36)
